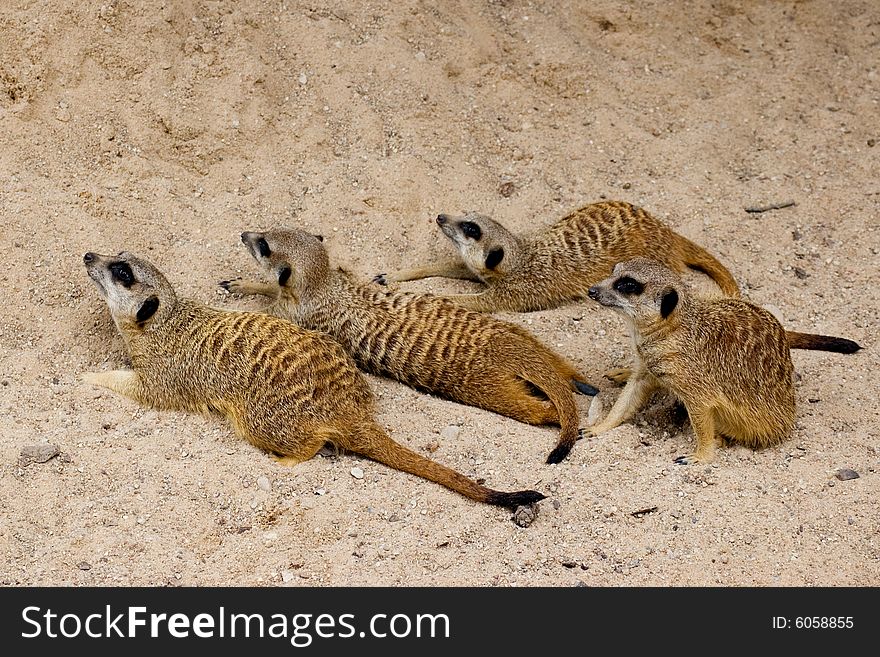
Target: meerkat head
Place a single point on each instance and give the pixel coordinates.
(486, 247)
(641, 289)
(295, 259)
(138, 295)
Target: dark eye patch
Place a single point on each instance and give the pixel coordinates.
(122, 273)
(471, 230)
(627, 285)
(284, 275)
(263, 247)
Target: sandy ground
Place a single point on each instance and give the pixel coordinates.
(167, 128)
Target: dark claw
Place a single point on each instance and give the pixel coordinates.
(224, 285)
(582, 433)
(380, 279)
(585, 388)
(681, 460)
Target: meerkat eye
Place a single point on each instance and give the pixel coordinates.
(122, 273)
(471, 230)
(263, 247)
(627, 285)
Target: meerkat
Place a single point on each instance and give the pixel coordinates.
(423, 341)
(286, 390)
(558, 264)
(728, 360)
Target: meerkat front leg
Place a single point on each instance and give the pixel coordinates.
(240, 286)
(703, 422)
(442, 269)
(124, 382)
(637, 391)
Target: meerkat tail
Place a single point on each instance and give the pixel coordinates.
(698, 259)
(374, 443)
(584, 388)
(821, 342)
(558, 391)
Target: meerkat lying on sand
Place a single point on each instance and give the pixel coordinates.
(559, 263)
(285, 390)
(421, 340)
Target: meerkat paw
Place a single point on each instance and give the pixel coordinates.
(230, 285)
(381, 279)
(619, 375)
(288, 461)
(692, 459)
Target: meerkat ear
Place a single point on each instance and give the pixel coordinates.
(320, 238)
(148, 309)
(284, 275)
(668, 303)
(494, 258)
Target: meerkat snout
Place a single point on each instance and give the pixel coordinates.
(88, 257)
(593, 293)
(442, 219)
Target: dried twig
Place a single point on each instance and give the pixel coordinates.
(772, 206)
(643, 512)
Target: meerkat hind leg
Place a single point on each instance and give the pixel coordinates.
(703, 423)
(619, 375)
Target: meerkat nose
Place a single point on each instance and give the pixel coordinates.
(593, 292)
(442, 219)
(245, 237)
(88, 257)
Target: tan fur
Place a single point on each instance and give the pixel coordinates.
(558, 264)
(727, 359)
(421, 340)
(286, 390)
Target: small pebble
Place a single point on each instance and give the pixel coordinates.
(264, 484)
(450, 432)
(525, 515)
(845, 474)
(39, 453)
(287, 575)
(84, 565)
(303, 78)
(320, 491)
(357, 473)
(800, 273)
(506, 189)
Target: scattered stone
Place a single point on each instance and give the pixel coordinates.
(525, 515)
(357, 473)
(643, 512)
(871, 143)
(626, 185)
(303, 78)
(420, 56)
(263, 483)
(450, 432)
(394, 518)
(556, 504)
(506, 189)
(39, 453)
(320, 491)
(595, 410)
(844, 474)
(800, 273)
(432, 445)
(569, 564)
(84, 565)
(287, 575)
